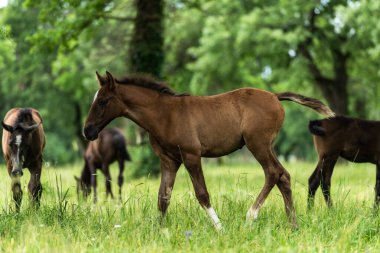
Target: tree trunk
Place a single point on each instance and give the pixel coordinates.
(334, 89)
(146, 51)
(146, 56)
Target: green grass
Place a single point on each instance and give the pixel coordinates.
(64, 224)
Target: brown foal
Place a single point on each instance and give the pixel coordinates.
(184, 128)
(23, 143)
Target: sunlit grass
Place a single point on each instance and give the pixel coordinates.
(66, 224)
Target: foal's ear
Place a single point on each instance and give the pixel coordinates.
(7, 127)
(111, 81)
(102, 80)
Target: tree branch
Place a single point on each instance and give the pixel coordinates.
(124, 19)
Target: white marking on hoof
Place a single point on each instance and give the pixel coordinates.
(252, 214)
(215, 219)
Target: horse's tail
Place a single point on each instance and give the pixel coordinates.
(121, 147)
(313, 103)
(316, 128)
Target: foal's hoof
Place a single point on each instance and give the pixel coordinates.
(252, 215)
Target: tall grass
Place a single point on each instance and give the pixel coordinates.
(65, 223)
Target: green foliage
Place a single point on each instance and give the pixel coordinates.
(50, 50)
(147, 163)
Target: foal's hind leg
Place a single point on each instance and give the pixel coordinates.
(106, 171)
(275, 173)
(285, 188)
(327, 170)
(120, 178)
(194, 167)
(314, 182)
(377, 187)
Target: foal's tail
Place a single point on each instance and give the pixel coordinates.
(306, 101)
(316, 128)
(121, 147)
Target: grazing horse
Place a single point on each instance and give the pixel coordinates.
(23, 143)
(184, 128)
(109, 147)
(355, 140)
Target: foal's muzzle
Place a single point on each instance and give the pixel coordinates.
(17, 172)
(90, 132)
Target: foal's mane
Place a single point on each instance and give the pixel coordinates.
(149, 83)
(25, 115)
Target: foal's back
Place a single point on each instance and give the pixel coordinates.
(107, 147)
(354, 139)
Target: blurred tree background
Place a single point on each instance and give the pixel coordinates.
(50, 50)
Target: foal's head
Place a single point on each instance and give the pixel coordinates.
(105, 107)
(18, 144)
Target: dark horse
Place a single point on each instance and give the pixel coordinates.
(109, 147)
(355, 140)
(182, 129)
(23, 144)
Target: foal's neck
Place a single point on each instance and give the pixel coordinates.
(145, 107)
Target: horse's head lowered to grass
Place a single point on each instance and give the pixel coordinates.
(18, 142)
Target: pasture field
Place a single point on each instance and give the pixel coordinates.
(64, 224)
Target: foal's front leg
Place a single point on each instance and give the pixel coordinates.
(169, 170)
(194, 167)
(93, 179)
(35, 187)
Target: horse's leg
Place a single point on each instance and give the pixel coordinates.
(92, 168)
(327, 170)
(314, 182)
(16, 187)
(106, 171)
(194, 167)
(284, 185)
(169, 170)
(377, 187)
(275, 173)
(120, 178)
(17, 193)
(34, 186)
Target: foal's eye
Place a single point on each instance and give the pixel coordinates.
(103, 102)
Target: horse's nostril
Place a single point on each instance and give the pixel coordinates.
(90, 132)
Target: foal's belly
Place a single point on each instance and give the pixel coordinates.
(221, 147)
(358, 155)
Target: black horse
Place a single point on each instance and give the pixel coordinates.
(109, 147)
(353, 139)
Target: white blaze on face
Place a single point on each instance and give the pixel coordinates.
(18, 140)
(16, 158)
(214, 217)
(95, 96)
